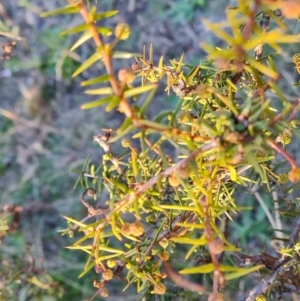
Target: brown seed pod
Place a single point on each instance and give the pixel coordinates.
(108, 274)
(164, 256)
(159, 288)
(173, 181)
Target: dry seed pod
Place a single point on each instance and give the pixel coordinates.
(184, 172)
(164, 256)
(173, 181)
(136, 229)
(126, 229)
(108, 274)
(104, 292)
(159, 288)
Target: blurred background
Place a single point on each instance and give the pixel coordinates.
(44, 134)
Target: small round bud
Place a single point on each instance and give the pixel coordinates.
(122, 31)
(283, 178)
(111, 263)
(126, 143)
(184, 172)
(159, 288)
(108, 274)
(104, 292)
(285, 138)
(216, 246)
(164, 256)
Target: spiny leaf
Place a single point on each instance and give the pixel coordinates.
(154, 125)
(125, 55)
(97, 103)
(96, 80)
(203, 269)
(113, 103)
(106, 14)
(69, 9)
(190, 241)
(138, 90)
(86, 36)
(89, 62)
(243, 272)
(83, 27)
(99, 91)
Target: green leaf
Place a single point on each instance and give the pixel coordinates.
(86, 36)
(99, 91)
(90, 61)
(192, 75)
(178, 69)
(243, 272)
(262, 68)
(96, 80)
(97, 103)
(74, 221)
(190, 241)
(203, 269)
(113, 103)
(69, 9)
(154, 125)
(87, 269)
(162, 115)
(253, 161)
(138, 90)
(76, 29)
(106, 14)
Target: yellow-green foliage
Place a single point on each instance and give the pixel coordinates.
(225, 131)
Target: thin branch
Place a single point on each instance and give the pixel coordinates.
(281, 151)
(181, 281)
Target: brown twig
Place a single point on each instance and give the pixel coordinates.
(181, 281)
(105, 53)
(281, 151)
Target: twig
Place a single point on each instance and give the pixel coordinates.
(263, 286)
(105, 53)
(181, 281)
(281, 151)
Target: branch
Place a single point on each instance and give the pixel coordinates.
(181, 281)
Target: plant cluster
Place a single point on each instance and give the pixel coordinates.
(177, 180)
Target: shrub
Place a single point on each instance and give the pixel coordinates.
(177, 181)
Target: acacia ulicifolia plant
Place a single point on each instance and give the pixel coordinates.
(227, 135)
